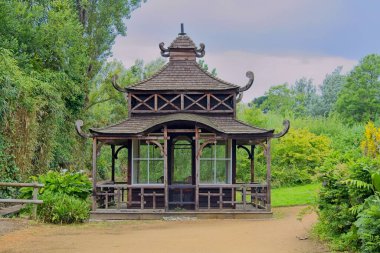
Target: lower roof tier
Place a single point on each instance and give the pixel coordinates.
(144, 124)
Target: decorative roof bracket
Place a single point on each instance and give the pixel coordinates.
(251, 77)
(286, 124)
(78, 127)
(116, 86)
(164, 51)
(200, 52)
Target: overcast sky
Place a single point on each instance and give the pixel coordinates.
(279, 40)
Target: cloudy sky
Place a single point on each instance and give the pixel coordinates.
(279, 40)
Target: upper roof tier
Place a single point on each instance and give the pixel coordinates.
(182, 75)
(182, 72)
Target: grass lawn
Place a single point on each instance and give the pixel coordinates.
(296, 195)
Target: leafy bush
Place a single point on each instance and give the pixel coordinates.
(368, 225)
(62, 208)
(371, 143)
(346, 205)
(65, 197)
(72, 184)
(297, 156)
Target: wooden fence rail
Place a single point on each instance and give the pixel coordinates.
(34, 201)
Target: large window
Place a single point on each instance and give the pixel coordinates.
(147, 163)
(215, 163)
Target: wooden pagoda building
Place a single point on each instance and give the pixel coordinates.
(181, 137)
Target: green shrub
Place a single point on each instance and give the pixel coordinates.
(297, 157)
(65, 197)
(73, 184)
(368, 225)
(61, 208)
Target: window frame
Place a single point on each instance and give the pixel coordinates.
(148, 159)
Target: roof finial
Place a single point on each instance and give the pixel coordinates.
(182, 30)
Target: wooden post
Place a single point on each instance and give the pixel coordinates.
(268, 175)
(35, 196)
(252, 158)
(118, 198)
(113, 163)
(220, 198)
(94, 147)
(244, 197)
(197, 166)
(166, 187)
(129, 174)
(142, 200)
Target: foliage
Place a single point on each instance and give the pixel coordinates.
(102, 21)
(368, 226)
(50, 52)
(345, 199)
(359, 99)
(72, 184)
(61, 208)
(297, 156)
(371, 143)
(65, 197)
(330, 89)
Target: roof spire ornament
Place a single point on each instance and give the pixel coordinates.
(182, 30)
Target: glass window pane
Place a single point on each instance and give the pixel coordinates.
(140, 172)
(221, 171)
(208, 151)
(142, 151)
(221, 149)
(206, 171)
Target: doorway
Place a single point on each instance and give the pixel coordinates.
(181, 172)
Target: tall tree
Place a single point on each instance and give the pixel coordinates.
(305, 96)
(279, 99)
(359, 99)
(330, 89)
(102, 21)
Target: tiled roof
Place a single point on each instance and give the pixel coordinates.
(222, 124)
(182, 41)
(182, 75)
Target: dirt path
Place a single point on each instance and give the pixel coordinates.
(266, 236)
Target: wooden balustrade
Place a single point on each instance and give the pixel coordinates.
(245, 197)
(34, 201)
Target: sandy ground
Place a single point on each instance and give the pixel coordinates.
(281, 234)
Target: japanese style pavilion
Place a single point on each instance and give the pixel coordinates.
(181, 137)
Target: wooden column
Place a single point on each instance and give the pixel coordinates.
(166, 190)
(197, 168)
(233, 162)
(94, 151)
(129, 172)
(268, 156)
(113, 163)
(252, 158)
